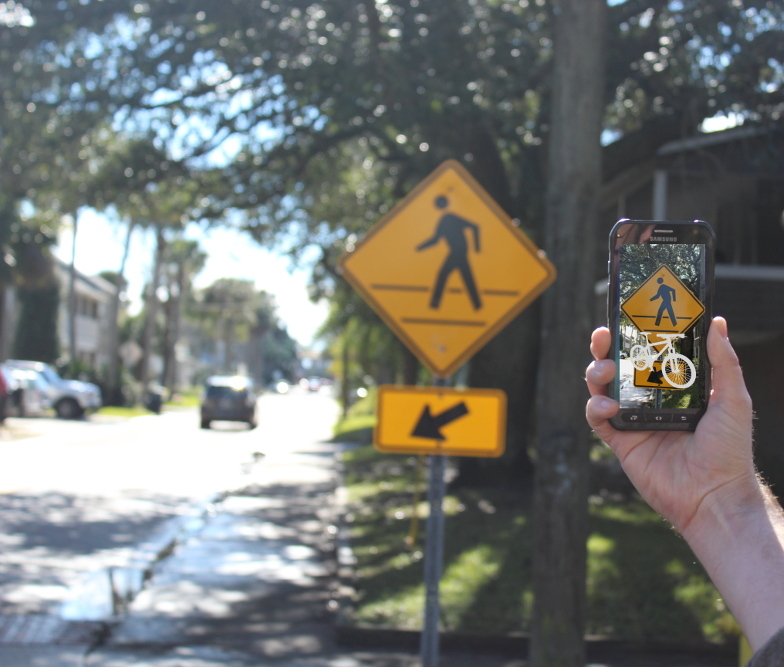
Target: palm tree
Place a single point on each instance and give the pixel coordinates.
(227, 310)
(183, 260)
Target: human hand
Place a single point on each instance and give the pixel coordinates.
(681, 474)
(705, 484)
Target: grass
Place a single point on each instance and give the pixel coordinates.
(185, 399)
(355, 429)
(642, 580)
(118, 411)
(178, 400)
(357, 426)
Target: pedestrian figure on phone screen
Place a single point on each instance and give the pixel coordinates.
(452, 228)
(667, 295)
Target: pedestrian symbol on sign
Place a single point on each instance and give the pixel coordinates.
(667, 294)
(452, 228)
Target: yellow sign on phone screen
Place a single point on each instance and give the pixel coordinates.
(663, 304)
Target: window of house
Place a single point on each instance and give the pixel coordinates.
(87, 307)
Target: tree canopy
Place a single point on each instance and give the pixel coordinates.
(279, 108)
(258, 94)
(304, 122)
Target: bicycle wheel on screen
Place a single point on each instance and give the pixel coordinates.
(640, 356)
(679, 371)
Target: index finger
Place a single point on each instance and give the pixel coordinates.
(602, 370)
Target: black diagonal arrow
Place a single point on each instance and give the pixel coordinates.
(656, 376)
(429, 425)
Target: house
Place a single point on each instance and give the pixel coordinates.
(94, 303)
(94, 310)
(734, 180)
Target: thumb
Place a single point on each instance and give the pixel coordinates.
(729, 390)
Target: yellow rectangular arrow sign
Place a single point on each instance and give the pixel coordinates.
(653, 377)
(439, 420)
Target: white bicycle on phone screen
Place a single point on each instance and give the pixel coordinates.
(677, 368)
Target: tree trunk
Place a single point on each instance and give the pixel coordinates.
(113, 374)
(151, 311)
(228, 345)
(168, 341)
(410, 366)
(72, 301)
(4, 337)
(174, 370)
(258, 350)
(508, 362)
(345, 389)
(562, 463)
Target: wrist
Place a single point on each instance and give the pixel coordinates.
(738, 535)
(732, 507)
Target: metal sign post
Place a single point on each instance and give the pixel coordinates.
(434, 556)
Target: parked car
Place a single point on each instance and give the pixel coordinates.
(229, 398)
(7, 387)
(69, 398)
(29, 395)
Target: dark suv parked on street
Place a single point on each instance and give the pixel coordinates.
(229, 398)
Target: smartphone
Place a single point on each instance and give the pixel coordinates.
(659, 307)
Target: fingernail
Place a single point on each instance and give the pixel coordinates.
(605, 403)
(597, 367)
(722, 326)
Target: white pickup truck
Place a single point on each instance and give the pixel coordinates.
(69, 398)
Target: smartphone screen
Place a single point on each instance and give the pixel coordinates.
(659, 313)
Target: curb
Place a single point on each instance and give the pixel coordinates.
(346, 594)
(597, 649)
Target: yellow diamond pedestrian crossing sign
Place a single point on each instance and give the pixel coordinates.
(447, 269)
(663, 304)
